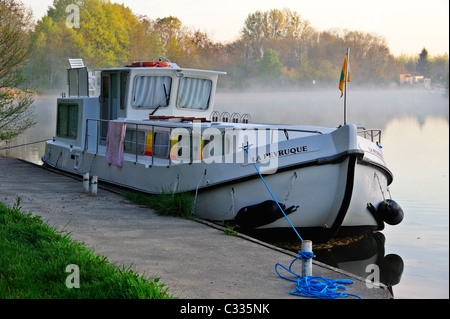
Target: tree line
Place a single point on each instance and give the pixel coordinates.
(273, 47)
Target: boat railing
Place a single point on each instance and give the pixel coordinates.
(138, 143)
(374, 135)
(96, 132)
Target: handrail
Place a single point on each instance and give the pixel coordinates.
(372, 133)
(152, 127)
(136, 142)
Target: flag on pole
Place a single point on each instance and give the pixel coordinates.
(343, 75)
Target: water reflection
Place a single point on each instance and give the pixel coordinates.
(357, 256)
(45, 128)
(417, 151)
(362, 255)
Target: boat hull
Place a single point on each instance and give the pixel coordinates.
(330, 200)
(330, 194)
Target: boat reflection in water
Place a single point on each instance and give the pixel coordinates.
(358, 257)
(363, 256)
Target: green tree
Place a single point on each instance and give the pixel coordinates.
(145, 42)
(260, 28)
(108, 35)
(269, 67)
(409, 62)
(168, 28)
(53, 44)
(178, 41)
(253, 35)
(439, 69)
(16, 114)
(423, 65)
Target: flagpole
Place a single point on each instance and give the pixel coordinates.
(345, 86)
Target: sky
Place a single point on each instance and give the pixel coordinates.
(407, 25)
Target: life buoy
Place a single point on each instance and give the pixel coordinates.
(157, 64)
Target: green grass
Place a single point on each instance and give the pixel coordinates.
(229, 230)
(166, 204)
(34, 257)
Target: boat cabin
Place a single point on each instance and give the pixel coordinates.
(134, 91)
(141, 91)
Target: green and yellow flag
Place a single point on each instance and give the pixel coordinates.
(342, 79)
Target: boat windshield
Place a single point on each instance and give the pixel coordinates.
(152, 91)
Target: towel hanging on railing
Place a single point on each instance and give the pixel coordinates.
(114, 143)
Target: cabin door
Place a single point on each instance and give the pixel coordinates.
(108, 103)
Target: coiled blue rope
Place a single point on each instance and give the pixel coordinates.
(308, 286)
(314, 286)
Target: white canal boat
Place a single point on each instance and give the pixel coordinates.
(152, 127)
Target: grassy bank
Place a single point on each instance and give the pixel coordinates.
(171, 204)
(166, 204)
(36, 261)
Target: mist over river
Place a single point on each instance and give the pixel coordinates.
(415, 141)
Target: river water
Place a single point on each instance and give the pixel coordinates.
(413, 257)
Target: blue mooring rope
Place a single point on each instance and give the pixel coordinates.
(308, 286)
(314, 286)
(246, 149)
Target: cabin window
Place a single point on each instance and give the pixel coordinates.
(130, 142)
(67, 121)
(152, 91)
(194, 93)
(161, 145)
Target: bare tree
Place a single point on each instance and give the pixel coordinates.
(15, 101)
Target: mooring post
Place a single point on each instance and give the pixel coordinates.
(94, 185)
(306, 262)
(86, 183)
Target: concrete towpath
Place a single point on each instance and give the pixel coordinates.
(195, 260)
